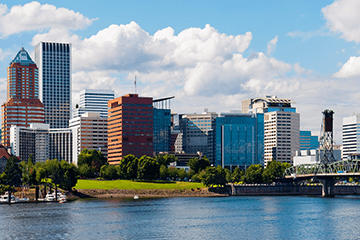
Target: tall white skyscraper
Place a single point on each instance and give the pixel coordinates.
(94, 101)
(281, 136)
(54, 62)
(350, 136)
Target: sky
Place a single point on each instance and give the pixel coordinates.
(208, 54)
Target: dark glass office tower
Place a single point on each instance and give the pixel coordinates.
(54, 63)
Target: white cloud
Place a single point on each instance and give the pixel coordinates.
(306, 35)
(34, 16)
(4, 54)
(343, 17)
(299, 70)
(350, 69)
(271, 46)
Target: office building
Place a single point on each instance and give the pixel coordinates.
(308, 141)
(89, 131)
(93, 101)
(267, 104)
(162, 125)
(54, 62)
(281, 136)
(195, 130)
(60, 144)
(33, 140)
(238, 140)
(350, 136)
(130, 127)
(22, 106)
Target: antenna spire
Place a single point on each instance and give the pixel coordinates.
(135, 84)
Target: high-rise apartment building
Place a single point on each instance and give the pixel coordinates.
(94, 100)
(33, 140)
(281, 133)
(22, 106)
(350, 136)
(89, 131)
(130, 127)
(196, 132)
(54, 62)
(239, 140)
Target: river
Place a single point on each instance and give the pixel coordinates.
(279, 217)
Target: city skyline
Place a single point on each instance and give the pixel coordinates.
(208, 56)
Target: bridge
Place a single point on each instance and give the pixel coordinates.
(325, 173)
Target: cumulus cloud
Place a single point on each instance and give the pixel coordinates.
(34, 16)
(343, 17)
(4, 54)
(299, 70)
(271, 46)
(350, 69)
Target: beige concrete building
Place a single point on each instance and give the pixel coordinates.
(282, 136)
(89, 131)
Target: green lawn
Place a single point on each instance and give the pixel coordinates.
(128, 184)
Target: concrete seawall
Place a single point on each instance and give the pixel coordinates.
(284, 189)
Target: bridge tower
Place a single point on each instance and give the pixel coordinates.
(327, 138)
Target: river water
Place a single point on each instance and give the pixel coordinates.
(279, 217)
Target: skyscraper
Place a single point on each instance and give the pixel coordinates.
(22, 106)
(239, 139)
(197, 133)
(94, 100)
(130, 127)
(350, 136)
(162, 125)
(282, 140)
(89, 131)
(54, 62)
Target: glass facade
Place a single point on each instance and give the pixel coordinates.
(307, 141)
(161, 130)
(54, 63)
(239, 140)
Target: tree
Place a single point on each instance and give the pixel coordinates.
(93, 158)
(228, 175)
(109, 172)
(128, 167)
(197, 164)
(165, 159)
(254, 174)
(85, 171)
(148, 168)
(213, 176)
(12, 173)
(69, 176)
(284, 166)
(164, 172)
(237, 175)
(272, 171)
(182, 174)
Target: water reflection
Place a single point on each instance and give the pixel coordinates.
(185, 218)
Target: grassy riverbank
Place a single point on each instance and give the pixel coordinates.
(136, 185)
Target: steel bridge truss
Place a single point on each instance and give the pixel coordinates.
(346, 166)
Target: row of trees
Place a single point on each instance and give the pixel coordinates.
(92, 164)
(62, 173)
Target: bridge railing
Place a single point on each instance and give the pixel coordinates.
(346, 166)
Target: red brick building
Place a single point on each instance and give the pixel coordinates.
(130, 127)
(22, 106)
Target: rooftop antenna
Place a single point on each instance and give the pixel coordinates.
(135, 84)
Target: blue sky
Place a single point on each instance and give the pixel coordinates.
(209, 54)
